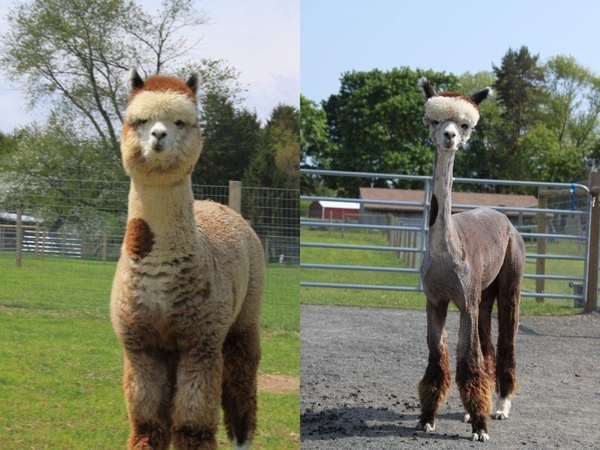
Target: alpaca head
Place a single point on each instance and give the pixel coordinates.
(161, 139)
(451, 116)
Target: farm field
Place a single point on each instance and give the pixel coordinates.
(411, 300)
(60, 378)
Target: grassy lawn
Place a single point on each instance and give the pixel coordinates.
(412, 300)
(60, 376)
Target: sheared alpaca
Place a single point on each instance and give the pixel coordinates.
(186, 296)
(472, 258)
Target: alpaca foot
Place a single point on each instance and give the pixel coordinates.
(502, 409)
(244, 446)
(467, 418)
(480, 436)
(426, 427)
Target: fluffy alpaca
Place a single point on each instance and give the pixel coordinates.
(186, 296)
(472, 258)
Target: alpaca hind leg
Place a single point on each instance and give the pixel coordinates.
(509, 296)
(475, 385)
(195, 411)
(148, 393)
(434, 386)
(506, 362)
(241, 356)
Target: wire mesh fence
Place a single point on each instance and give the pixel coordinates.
(73, 230)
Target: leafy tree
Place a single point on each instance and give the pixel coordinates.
(520, 94)
(547, 159)
(231, 137)
(76, 54)
(277, 162)
(8, 145)
(572, 114)
(374, 123)
(50, 173)
(482, 156)
(315, 145)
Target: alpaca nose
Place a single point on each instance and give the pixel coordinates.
(158, 131)
(159, 134)
(449, 134)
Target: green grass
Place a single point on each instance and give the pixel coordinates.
(411, 300)
(61, 365)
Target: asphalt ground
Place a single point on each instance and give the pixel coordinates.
(360, 368)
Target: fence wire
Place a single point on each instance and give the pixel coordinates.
(82, 224)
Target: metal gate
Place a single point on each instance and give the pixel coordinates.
(561, 218)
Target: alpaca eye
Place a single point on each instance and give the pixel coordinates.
(139, 122)
(465, 126)
(179, 123)
(435, 123)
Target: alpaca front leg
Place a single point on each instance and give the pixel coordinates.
(436, 382)
(196, 402)
(488, 296)
(475, 384)
(147, 393)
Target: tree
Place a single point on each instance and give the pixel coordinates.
(277, 163)
(76, 53)
(315, 146)
(50, 173)
(572, 115)
(8, 145)
(231, 137)
(482, 156)
(374, 123)
(520, 94)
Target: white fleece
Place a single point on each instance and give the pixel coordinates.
(457, 109)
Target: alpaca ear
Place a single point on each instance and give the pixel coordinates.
(480, 96)
(427, 88)
(135, 81)
(192, 83)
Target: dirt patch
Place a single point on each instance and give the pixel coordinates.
(278, 384)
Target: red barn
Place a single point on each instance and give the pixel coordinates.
(331, 210)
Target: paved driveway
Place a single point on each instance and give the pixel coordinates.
(360, 368)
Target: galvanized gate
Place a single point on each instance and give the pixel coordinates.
(562, 217)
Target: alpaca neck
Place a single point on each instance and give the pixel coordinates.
(168, 213)
(440, 225)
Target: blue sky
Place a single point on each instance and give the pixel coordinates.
(283, 47)
(455, 37)
(260, 38)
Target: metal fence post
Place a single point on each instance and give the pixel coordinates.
(591, 291)
(542, 227)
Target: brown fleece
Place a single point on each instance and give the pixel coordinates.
(139, 238)
(193, 439)
(475, 388)
(458, 95)
(161, 83)
(434, 386)
(241, 355)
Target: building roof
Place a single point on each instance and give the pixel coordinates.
(458, 198)
(339, 205)
(12, 217)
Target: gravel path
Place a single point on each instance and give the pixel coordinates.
(361, 366)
